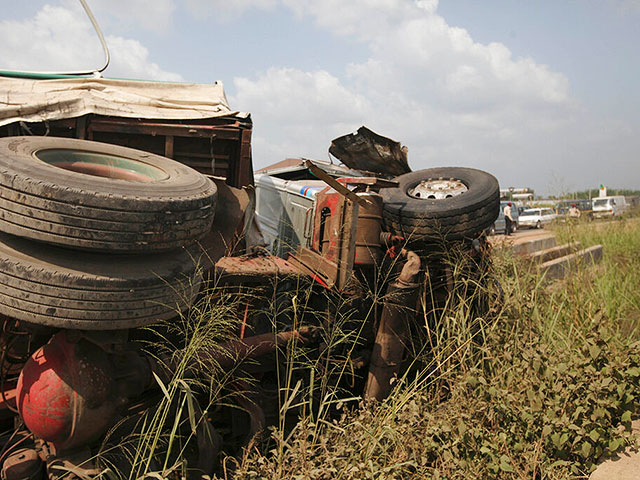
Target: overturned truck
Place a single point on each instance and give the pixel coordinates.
(138, 258)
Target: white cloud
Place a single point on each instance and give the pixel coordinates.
(130, 59)
(428, 5)
(53, 40)
(450, 99)
(225, 9)
(295, 112)
(156, 15)
(627, 6)
(365, 19)
(61, 38)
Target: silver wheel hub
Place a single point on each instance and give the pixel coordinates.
(438, 189)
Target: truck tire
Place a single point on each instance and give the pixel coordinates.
(96, 196)
(449, 202)
(58, 287)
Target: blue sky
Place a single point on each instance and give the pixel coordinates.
(541, 94)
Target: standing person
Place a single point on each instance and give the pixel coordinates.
(508, 220)
(574, 212)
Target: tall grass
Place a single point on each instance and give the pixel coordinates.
(535, 387)
(169, 434)
(508, 376)
(613, 289)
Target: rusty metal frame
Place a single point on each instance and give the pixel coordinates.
(321, 269)
(104, 124)
(333, 274)
(333, 183)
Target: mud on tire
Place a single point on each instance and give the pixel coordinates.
(57, 287)
(473, 206)
(97, 196)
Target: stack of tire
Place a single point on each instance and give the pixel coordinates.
(96, 236)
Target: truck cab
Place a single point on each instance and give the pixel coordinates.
(286, 203)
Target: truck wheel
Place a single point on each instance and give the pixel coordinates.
(58, 287)
(97, 196)
(449, 202)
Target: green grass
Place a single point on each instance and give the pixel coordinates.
(542, 387)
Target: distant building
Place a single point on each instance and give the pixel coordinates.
(517, 194)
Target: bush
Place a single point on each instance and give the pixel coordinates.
(550, 385)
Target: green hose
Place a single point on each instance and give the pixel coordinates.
(38, 76)
(53, 75)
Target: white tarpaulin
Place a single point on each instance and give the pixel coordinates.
(38, 100)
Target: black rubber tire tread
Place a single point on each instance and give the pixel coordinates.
(38, 214)
(81, 294)
(62, 288)
(93, 303)
(80, 314)
(88, 244)
(104, 213)
(92, 239)
(459, 217)
(81, 324)
(46, 203)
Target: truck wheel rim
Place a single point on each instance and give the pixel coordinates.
(438, 189)
(101, 165)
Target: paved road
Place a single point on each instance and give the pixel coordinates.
(521, 236)
(624, 466)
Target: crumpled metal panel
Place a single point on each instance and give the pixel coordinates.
(367, 151)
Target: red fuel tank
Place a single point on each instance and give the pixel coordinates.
(64, 391)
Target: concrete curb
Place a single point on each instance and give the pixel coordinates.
(555, 252)
(559, 267)
(534, 245)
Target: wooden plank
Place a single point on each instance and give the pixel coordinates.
(81, 127)
(168, 146)
(148, 128)
(217, 156)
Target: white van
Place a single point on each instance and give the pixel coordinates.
(609, 206)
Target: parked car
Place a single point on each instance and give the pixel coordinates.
(499, 225)
(609, 206)
(537, 217)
